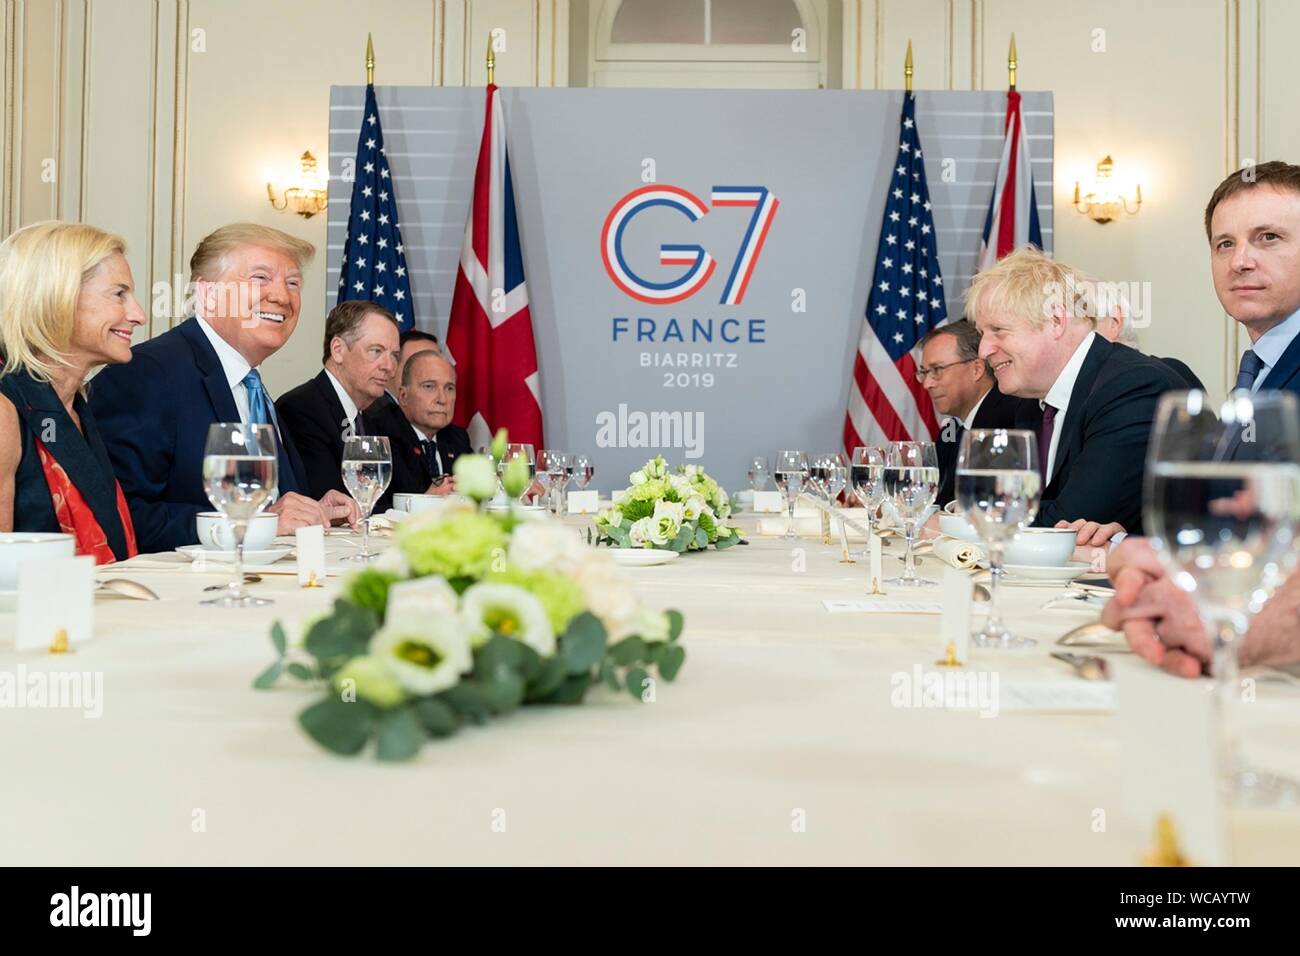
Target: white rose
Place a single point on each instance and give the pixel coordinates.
(637, 478)
(651, 626)
(670, 509)
(423, 596)
(693, 508)
(425, 653)
(645, 532)
(608, 595)
(506, 609)
(547, 545)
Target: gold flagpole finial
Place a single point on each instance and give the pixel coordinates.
(907, 69)
(1011, 61)
(370, 60)
(491, 62)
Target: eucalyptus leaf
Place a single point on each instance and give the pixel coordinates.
(636, 678)
(342, 635)
(400, 735)
(701, 538)
(628, 651)
(549, 677)
(675, 622)
(337, 725)
(278, 638)
(301, 671)
(669, 660)
(504, 690)
(268, 677)
(571, 691)
(468, 700)
(583, 644)
(438, 718)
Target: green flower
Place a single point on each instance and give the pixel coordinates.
(372, 681)
(560, 596)
(475, 477)
(462, 545)
(516, 477)
(369, 588)
(511, 611)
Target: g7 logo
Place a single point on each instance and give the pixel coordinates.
(699, 264)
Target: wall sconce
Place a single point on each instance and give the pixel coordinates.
(1104, 203)
(307, 196)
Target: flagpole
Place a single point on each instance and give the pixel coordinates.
(907, 69)
(1011, 61)
(491, 61)
(370, 60)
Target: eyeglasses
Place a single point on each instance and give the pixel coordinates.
(923, 373)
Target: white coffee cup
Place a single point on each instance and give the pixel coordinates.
(19, 546)
(215, 533)
(414, 504)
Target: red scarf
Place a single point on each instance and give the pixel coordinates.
(76, 518)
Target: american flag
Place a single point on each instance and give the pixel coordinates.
(886, 403)
(1012, 218)
(490, 333)
(374, 260)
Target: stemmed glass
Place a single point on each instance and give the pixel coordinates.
(559, 468)
(240, 476)
(997, 486)
(525, 451)
(367, 470)
(867, 478)
(791, 470)
(1222, 505)
(911, 482)
(584, 469)
(758, 473)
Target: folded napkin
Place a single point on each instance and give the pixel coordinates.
(959, 554)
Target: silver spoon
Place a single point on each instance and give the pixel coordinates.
(127, 588)
(1085, 665)
(248, 579)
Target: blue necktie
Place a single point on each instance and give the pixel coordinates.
(1250, 368)
(430, 457)
(259, 410)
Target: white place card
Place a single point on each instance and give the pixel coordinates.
(883, 606)
(1068, 695)
(584, 502)
(954, 629)
(769, 503)
(56, 594)
(1168, 741)
(310, 543)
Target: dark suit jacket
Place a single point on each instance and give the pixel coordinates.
(1285, 375)
(410, 472)
(996, 411)
(1102, 449)
(154, 413)
(314, 416)
(1185, 373)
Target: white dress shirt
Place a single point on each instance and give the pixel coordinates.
(969, 421)
(1272, 344)
(350, 409)
(234, 365)
(1058, 396)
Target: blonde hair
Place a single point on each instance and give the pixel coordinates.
(1030, 284)
(42, 269)
(208, 259)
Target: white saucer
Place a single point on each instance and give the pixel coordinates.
(494, 506)
(642, 557)
(196, 552)
(1063, 574)
(395, 516)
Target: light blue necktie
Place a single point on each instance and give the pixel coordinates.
(259, 410)
(1251, 364)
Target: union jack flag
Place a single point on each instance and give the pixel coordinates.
(886, 403)
(490, 333)
(374, 260)
(1012, 218)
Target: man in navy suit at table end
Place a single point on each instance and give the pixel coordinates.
(154, 411)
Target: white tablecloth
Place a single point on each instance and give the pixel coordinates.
(778, 743)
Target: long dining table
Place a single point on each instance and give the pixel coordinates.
(783, 741)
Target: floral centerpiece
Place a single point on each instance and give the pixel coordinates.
(682, 510)
(471, 614)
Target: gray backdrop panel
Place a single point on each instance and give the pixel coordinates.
(827, 156)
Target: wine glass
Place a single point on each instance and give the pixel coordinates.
(525, 451)
(559, 469)
(240, 476)
(911, 482)
(867, 478)
(791, 470)
(367, 470)
(1222, 505)
(997, 486)
(584, 469)
(758, 473)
